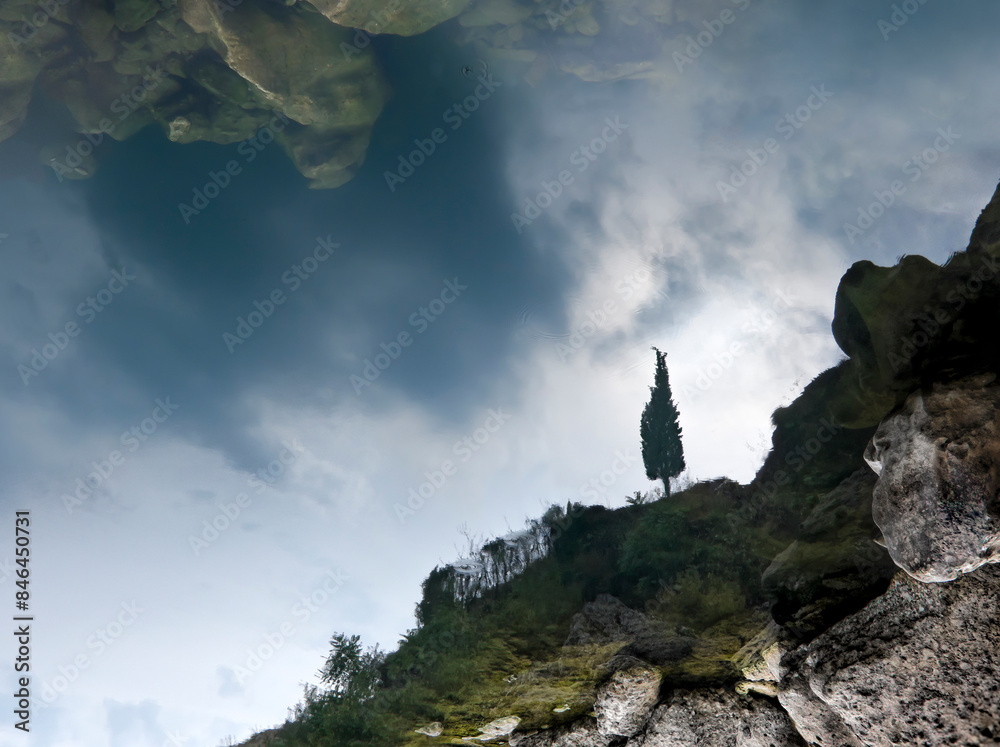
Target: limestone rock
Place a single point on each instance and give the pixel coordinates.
(716, 718)
(758, 659)
(936, 496)
(96, 28)
(920, 665)
(293, 63)
(328, 158)
(497, 729)
(625, 701)
(432, 729)
(770, 689)
(913, 324)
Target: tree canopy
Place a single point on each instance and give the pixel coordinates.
(662, 451)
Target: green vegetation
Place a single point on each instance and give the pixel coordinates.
(491, 627)
(662, 452)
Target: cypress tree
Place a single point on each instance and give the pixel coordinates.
(662, 451)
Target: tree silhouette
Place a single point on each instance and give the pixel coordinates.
(662, 451)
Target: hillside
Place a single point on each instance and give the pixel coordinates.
(707, 605)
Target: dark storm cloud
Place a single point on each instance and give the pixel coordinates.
(447, 222)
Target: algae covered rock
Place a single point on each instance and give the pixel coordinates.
(604, 620)
(131, 15)
(215, 71)
(294, 62)
(833, 565)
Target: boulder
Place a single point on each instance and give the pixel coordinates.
(920, 665)
(936, 497)
(717, 718)
(625, 701)
(606, 620)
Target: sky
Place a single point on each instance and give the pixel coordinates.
(445, 360)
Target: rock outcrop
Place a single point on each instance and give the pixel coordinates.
(606, 620)
(625, 701)
(833, 564)
(594, 40)
(936, 499)
(920, 665)
(220, 72)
